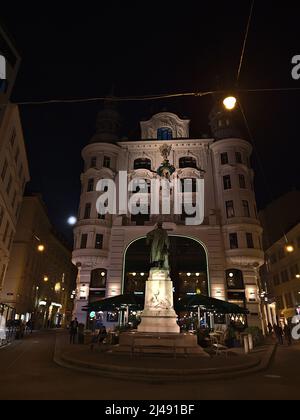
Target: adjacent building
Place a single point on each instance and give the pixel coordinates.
(221, 257)
(281, 273)
(14, 173)
(40, 277)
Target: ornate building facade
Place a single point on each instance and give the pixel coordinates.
(221, 257)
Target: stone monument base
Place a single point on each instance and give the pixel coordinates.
(159, 315)
(174, 344)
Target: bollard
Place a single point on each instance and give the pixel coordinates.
(246, 343)
(250, 339)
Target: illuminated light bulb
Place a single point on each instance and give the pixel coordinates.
(41, 248)
(231, 275)
(297, 276)
(230, 103)
(142, 274)
(197, 274)
(134, 274)
(289, 248)
(189, 274)
(102, 274)
(46, 278)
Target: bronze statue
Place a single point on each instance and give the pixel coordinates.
(160, 244)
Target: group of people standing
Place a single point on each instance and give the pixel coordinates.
(75, 331)
(281, 333)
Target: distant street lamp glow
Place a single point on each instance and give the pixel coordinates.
(57, 287)
(41, 248)
(72, 220)
(230, 103)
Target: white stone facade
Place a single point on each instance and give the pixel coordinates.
(14, 174)
(214, 234)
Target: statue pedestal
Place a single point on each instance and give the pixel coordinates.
(159, 315)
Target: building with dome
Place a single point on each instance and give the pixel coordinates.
(221, 257)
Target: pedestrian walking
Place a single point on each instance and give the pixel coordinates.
(270, 328)
(288, 334)
(278, 333)
(73, 331)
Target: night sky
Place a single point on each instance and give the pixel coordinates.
(144, 48)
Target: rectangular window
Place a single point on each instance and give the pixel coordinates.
(230, 209)
(188, 185)
(246, 211)
(294, 270)
(238, 157)
(8, 188)
(106, 162)
(227, 182)
(140, 219)
(93, 162)
(284, 276)
(242, 181)
(249, 239)
(233, 240)
(276, 280)
(99, 241)
(87, 211)
(101, 216)
(84, 239)
(224, 158)
(90, 185)
(4, 170)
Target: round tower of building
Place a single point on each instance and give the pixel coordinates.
(92, 231)
(242, 232)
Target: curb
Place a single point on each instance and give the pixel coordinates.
(164, 375)
(4, 346)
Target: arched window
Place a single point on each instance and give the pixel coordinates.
(164, 133)
(187, 162)
(98, 278)
(142, 163)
